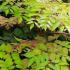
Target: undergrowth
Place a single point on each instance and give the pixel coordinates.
(42, 56)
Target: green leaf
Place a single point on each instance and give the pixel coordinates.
(20, 19)
(41, 46)
(2, 54)
(17, 60)
(55, 25)
(57, 67)
(4, 69)
(6, 47)
(31, 26)
(33, 53)
(16, 11)
(7, 11)
(31, 61)
(63, 61)
(1, 63)
(64, 68)
(8, 62)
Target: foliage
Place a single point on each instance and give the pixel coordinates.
(46, 56)
(12, 7)
(57, 54)
(12, 35)
(9, 59)
(37, 58)
(44, 14)
(47, 15)
(36, 54)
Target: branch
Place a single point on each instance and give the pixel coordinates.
(63, 33)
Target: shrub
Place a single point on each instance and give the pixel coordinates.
(46, 15)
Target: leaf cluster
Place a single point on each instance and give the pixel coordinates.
(46, 14)
(9, 59)
(53, 55)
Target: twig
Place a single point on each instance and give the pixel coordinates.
(63, 33)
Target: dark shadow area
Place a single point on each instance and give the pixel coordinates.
(66, 1)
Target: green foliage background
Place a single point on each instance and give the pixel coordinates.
(21, 47)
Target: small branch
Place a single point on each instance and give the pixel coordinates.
(63, 33)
